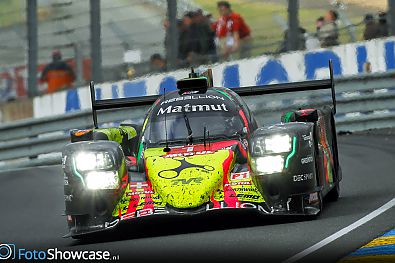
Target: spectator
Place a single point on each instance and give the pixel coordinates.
(312, 41)
(130, 72)
(301, 40)
(184, 38)
(232, 33)
(329, 33)
(383, 25)
(157, 63)
(166, 25)
(207, 35)
(318, 23)
(196, 45)
(58, 74)
(372, 29)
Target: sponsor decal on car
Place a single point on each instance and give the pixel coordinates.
(240, 176)
(193, 97)
(148, 203)
(137, 185)
(183, 192)
(128, 216)
(111, 224)
(309, 138)
(313, 198)
(66, 179)
(238, 183)
(302, 177)
(151, 211)
(143, 197)
(183, 181)
(139, 192)
(68, 198)
(246, 196)
(189, 153)
(64, 160)
(192, 108)
(223, 205)
(306, 160)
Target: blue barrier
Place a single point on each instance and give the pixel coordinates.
(273, 69)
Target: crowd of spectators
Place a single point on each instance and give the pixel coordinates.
(375, 27)
(327, 31)
(195, 39)
(326, 34)
(203, 40)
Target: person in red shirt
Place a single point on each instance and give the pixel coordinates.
(232, 32)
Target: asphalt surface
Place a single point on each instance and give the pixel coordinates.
(31, 204)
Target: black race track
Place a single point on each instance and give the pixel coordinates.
(31, 204)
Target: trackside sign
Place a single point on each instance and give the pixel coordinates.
(348, 60)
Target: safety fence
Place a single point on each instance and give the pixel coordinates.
(363, 102)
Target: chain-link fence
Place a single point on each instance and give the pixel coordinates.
(132, 31)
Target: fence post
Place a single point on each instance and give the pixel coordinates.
(293, 25)
(31, 9)
(96, 54)
(172, 45)
(391, 16)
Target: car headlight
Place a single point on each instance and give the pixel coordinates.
(272, 144)
(268, 164)
(102, 180)
(88, 161)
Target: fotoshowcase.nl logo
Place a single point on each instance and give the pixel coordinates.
(10, 252)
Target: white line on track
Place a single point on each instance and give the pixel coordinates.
(342, 232)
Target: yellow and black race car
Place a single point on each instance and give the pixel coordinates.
(200, 150)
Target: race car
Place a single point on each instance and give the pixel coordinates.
(199, 151)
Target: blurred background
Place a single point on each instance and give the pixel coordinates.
(113, 40)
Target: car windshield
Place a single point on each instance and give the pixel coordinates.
(218, 124)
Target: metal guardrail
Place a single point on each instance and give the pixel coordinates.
(364, 102)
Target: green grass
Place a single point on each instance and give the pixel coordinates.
(265, 31)
(11, 12)
(14, 12)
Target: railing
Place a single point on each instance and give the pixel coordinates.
(363, 102)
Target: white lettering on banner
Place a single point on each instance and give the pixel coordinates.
(192, 108)
(348, 60)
